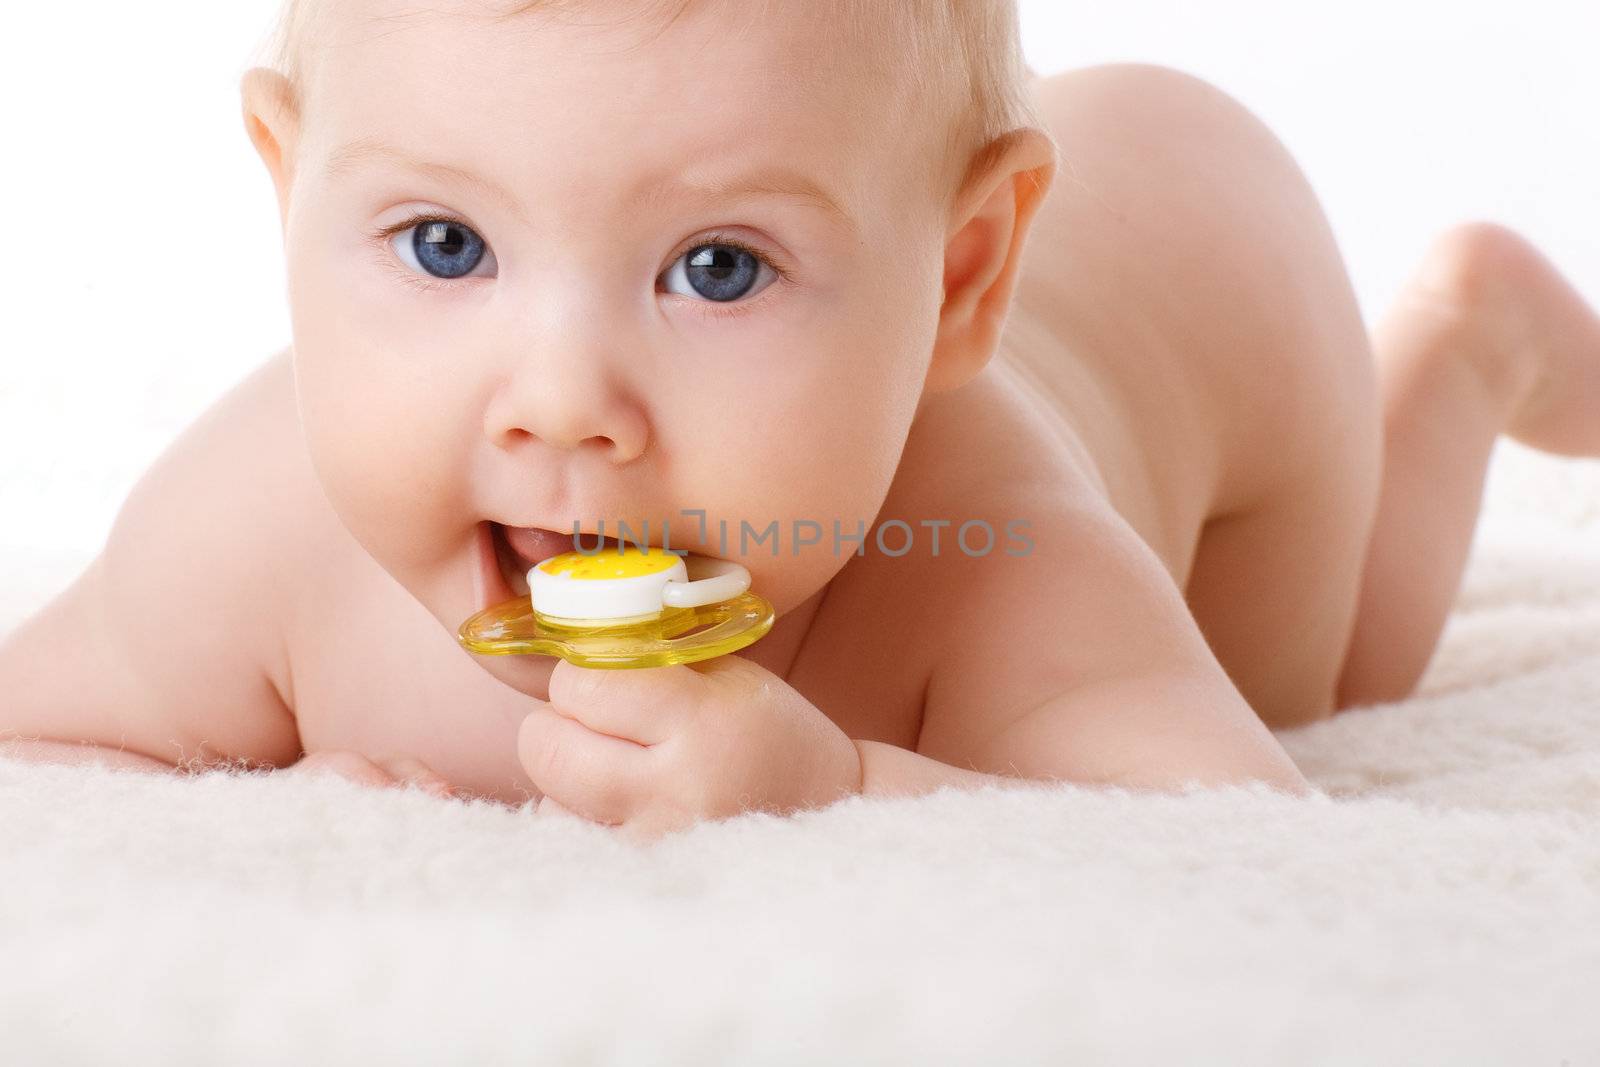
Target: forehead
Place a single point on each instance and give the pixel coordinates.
(591, 93)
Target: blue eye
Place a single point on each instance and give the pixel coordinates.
(719, 271)
(442, 248)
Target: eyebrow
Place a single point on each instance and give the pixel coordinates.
(775, 180)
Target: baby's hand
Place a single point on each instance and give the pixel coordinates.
(381, 772)
(656, 749)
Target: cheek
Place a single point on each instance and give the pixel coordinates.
(823, 413)
(376, 427)
(853, 394)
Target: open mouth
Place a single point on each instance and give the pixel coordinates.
(518, 548)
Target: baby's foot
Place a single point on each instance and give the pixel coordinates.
(1489, 296)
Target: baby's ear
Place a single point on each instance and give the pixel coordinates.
(1004, 186)
(272, 119)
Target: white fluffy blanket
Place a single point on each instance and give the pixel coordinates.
(1441, 904)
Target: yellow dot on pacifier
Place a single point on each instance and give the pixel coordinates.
(630, 561)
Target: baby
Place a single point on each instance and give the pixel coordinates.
(1041, 410)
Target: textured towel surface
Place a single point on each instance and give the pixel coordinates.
(1440, 904)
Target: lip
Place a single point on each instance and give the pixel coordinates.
(492, 587)
(530, 545)
(535, 544)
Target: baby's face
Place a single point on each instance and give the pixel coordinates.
(546, 271)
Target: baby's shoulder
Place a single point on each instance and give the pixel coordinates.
(171, 642)
(283, 537)
(266, 562)
(265, 608)
(1004, 574)
(903, 610)
(313, 585)
(218, 534)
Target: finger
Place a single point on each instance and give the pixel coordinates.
(591, 774)
(351, 766)
(649, 829)
(646, 705)
(412, 771)
(550, 806)
(640, 834)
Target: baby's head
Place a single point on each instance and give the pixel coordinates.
(586, 260)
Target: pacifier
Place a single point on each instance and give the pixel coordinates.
(625, 606)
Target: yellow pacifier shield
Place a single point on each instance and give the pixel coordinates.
(624, 607)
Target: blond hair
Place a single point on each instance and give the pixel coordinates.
(921, 41)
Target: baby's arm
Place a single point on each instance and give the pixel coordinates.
(159, 651)
(1081, 661)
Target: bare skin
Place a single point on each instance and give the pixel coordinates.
(1257, 517)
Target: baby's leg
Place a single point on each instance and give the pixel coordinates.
(1487, 338)
(1180, 213)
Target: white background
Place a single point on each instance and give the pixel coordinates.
(143, 274)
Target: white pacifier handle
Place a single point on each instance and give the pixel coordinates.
(725, 581)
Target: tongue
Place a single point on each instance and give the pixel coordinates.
(534, 544)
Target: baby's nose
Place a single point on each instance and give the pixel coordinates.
(576, 407)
